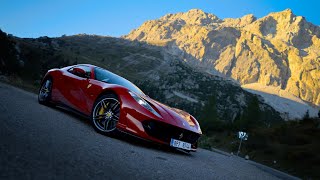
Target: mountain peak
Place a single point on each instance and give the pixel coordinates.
(195, 11)
(192, 17)
(285, 13)
(199, 17)
(239, 22)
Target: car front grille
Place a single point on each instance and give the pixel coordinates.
(165, 132)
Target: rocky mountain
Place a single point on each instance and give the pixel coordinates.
(281, 50)
(164, 77)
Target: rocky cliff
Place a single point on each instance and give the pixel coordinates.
(280, 50)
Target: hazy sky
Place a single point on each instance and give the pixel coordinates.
(34, 18)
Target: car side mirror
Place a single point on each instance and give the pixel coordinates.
(79, 72)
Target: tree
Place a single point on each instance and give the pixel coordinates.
(8, 55)
(306, 115)
(209, 119)
(251, 117)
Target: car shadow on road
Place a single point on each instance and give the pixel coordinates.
(124, 137)
(73, 114)
(136, 141)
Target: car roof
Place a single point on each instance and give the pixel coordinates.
(90, 65)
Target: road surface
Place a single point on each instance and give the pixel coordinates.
(39, 142)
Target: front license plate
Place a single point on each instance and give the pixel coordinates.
(180, 144)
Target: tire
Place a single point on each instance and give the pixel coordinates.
(105, 114)
(45, 92)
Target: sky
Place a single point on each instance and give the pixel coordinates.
(35, 18)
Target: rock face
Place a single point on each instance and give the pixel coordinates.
(280, 49)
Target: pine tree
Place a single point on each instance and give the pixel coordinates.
(8, 55)
(251, 116)
(209, 119)
(306, 115)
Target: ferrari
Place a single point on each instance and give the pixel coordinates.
(114, 104)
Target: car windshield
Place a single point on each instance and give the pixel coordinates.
(109, 77)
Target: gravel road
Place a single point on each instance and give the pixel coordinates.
(39, 142)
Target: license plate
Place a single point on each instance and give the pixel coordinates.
(180, 144)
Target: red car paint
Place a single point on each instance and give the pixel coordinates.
(80, 94)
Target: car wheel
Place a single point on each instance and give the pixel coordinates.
(105, 114)
(45, 91)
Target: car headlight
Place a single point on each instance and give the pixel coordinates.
(197, 123)
(144, 103)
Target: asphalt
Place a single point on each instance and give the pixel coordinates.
(40, 142)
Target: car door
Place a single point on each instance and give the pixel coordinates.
(75, 88)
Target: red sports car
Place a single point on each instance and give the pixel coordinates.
(115, 104)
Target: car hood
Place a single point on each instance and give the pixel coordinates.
(175, 116)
